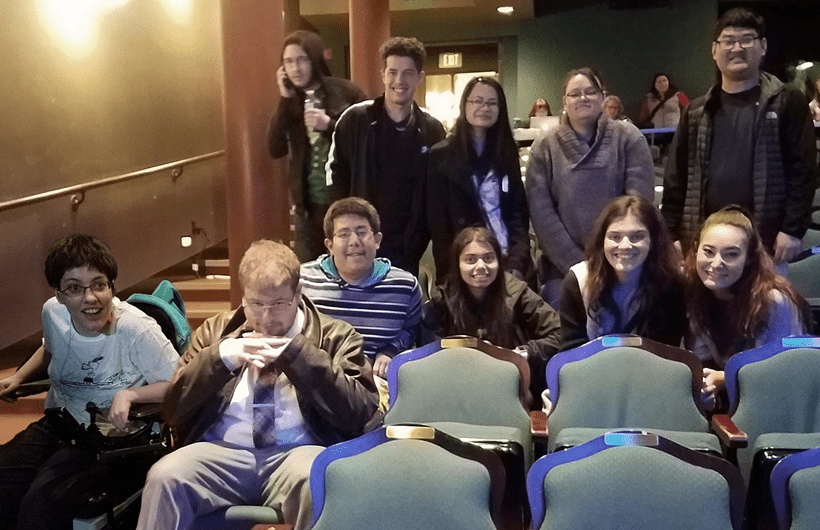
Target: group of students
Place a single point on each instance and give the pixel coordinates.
(610, 264)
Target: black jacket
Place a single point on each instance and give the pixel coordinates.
(783, 174)
(287, 131)
(351, 166)
(453, 204)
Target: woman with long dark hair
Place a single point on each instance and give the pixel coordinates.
(629, 282)
(735, 297)
(479, 299)
(663, 103)
(475, 180)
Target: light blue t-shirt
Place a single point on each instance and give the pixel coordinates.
(133, 352)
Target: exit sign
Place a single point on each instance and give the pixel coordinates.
(449, 60)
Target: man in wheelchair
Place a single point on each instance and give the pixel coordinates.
(96, 348)
(258, 394)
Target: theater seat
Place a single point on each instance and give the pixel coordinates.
(406, 477)
(625, 381)
(795, 485)
(634, 480)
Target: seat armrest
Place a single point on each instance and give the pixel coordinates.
(730, 434)
(144, 411)
(31, 388)
(538, 425)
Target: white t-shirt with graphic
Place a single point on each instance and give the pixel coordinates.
(131, 353)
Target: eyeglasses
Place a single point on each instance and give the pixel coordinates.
(589, 93)
(478, 102)
(361, 233)
(76, 290)
(259, 308)
(303, 59)
(745, 41)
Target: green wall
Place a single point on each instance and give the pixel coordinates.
(627, 46)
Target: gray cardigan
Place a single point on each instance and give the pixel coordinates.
(569, 183)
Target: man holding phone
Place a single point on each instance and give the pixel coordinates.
(305, 131)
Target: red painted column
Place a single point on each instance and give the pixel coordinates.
(256, 185)
(369, 28)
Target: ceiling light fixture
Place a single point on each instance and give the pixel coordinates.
(805, 65)
(506, 10)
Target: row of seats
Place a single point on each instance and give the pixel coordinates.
(420, 478)
(476, 394)
(612, 383)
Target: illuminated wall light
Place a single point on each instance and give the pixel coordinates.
(76, 22)
(505, 10)
(178, 10)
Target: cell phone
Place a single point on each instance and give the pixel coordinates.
(288, 83)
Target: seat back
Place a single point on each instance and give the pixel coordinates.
(419, 479)
(774, 389)
(625, 382)
(438, 383)
(795, 486)
(634, 480)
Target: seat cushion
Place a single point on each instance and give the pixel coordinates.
(703, 442)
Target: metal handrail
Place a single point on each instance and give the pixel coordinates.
(78, 190)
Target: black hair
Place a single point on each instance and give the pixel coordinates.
(499, 149)
(404, 47)
(351, 206)
(740, 17)
(79, 250)
(313, 45)
(491, 318)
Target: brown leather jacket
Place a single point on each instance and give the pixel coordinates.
(325, 363)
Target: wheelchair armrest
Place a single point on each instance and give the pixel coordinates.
(31, 388)
(538, 425)
(144, 411)
(730, 434)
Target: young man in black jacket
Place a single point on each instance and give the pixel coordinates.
(380, 149)
(306, 132)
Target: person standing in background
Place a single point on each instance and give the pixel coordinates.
(302, 125)
(379, 153)
(749, 141)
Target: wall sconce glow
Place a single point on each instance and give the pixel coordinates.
(76, 22)
(805, 65)
(505, 10)
(186, 241)
(178, 10)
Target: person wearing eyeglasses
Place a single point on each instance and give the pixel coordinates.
(257, 396)
(304, 130)
(575, 170)
(749, 141)
(381, 301)
(475, 180)
(96, 348)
